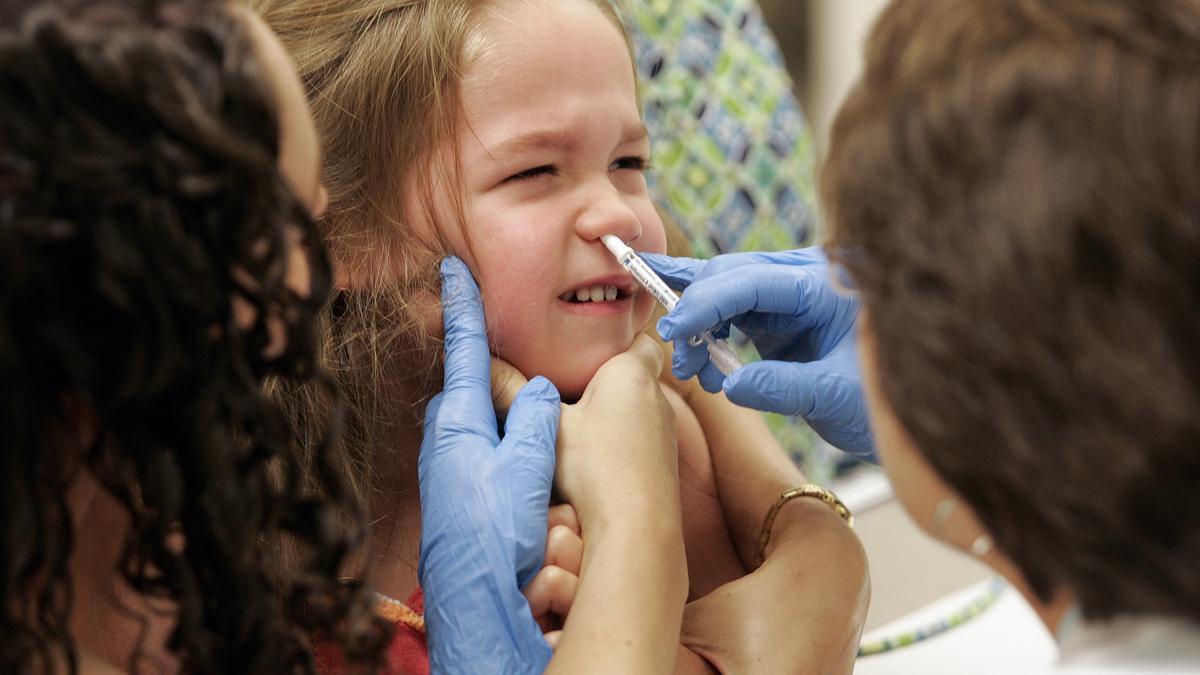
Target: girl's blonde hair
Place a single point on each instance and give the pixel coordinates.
(383, 78)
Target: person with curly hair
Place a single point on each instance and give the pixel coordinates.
(159, 178)
(160, 182)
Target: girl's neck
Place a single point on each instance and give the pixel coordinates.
(395, 515)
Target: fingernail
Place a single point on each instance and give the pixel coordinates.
(542, 388)
(664, 328)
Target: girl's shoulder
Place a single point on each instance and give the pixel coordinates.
(689, 433)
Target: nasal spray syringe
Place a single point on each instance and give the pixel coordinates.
(719, 351)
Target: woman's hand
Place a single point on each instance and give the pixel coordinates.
(483, 501)
(552, 591)
(802, 611)
(616, 445)
(617, 466)
(800, 324)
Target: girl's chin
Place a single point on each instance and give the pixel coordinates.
(570, 373)
(571, 382)
(571, 387)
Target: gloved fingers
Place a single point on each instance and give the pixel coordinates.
(432, 414)
(776, 386)
(839, 414)
(687, 359)
(532, 421)
(813, 255)
(677, 272)
(431, 411)
(563, 515)
(506, 382)
(711, 379)
(564, 549)
(551, 592)
(856, 440)
(822, 392)
(771, 289)
(525, 470)
(468, 358)
(477, 619)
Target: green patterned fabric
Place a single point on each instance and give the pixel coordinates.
(733, 159)
(732, 154)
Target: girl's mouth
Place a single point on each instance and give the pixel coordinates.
(595, 293)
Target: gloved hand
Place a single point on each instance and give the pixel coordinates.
(801, 326)
(484, 502)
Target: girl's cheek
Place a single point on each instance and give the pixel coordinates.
(655, 232)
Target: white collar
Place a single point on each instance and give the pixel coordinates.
(1134, 642)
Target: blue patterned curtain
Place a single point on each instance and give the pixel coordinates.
(732, 154)
(733, 158)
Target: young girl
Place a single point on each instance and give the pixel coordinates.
(509, 132)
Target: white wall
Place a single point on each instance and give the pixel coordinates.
(837, 32)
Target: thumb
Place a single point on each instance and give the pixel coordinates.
(507, 381)
(648, 354)
(533, 425)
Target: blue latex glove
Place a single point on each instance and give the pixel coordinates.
(801, 326)
(484, 502)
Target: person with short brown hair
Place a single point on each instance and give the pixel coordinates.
(1013, 192)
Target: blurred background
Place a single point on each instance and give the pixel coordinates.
(739, 96)
(821, 41)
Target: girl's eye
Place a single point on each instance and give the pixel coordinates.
(535, 172)
(630, 164)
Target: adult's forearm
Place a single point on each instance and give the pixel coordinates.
(629, 605)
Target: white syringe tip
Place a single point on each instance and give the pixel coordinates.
(615, 245)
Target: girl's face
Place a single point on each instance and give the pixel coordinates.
(553, 151)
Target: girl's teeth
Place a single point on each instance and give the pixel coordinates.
(591, 294)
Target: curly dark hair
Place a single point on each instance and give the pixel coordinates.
(139, 195)
(1015, 189)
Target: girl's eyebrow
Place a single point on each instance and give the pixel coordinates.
(555, 138)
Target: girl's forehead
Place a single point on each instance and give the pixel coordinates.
(516, 37)
(512, 23)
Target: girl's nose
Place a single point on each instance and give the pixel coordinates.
(608, 213)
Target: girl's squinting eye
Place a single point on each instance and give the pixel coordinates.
(535, 172)
(630, 164)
